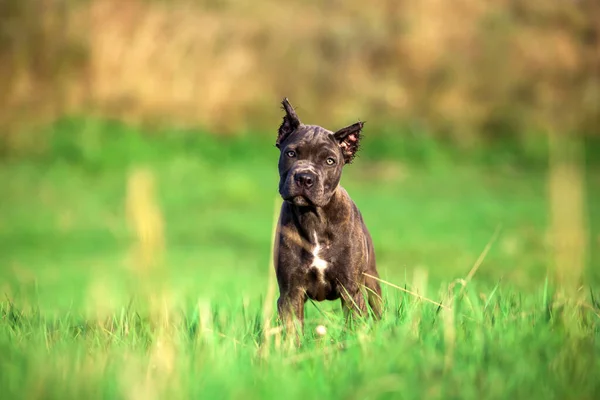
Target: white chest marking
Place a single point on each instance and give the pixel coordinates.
(318, 262)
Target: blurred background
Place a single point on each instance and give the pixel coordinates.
(137, 138)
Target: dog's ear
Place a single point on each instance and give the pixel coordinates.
(349, 140)
(289, 124)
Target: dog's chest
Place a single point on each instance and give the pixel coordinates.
(320, 270)
(317, 261)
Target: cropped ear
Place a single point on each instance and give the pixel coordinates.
(289, 124)
(349, 140)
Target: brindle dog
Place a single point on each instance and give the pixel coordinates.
(323, 250)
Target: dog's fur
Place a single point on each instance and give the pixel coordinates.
(323, 249)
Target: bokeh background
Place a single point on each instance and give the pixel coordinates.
(137, 139)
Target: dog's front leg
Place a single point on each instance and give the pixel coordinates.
(290, 307)
(374, 294)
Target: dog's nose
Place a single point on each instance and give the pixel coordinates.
(304, 179)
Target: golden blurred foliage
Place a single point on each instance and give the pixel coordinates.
(464, 69)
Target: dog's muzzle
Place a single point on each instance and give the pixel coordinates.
(301, 187)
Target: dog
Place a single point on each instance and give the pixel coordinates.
(323, 250)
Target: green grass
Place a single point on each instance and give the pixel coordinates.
(73, 322)
(505, 345)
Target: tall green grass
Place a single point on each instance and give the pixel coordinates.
(491, 344)
(79, 318)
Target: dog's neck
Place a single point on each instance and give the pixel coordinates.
(322, 221)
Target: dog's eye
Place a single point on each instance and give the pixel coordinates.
(291, 154)
(330, 161)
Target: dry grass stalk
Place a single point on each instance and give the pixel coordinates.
(407, 291)
(146, 222)
(569, 231)
(480, 259)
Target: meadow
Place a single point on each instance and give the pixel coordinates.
(135, 263)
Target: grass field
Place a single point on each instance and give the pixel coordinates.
(82, 317)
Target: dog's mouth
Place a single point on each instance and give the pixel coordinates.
(300, 201)
(300, 197)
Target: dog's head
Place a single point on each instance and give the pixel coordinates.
(312, 158)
